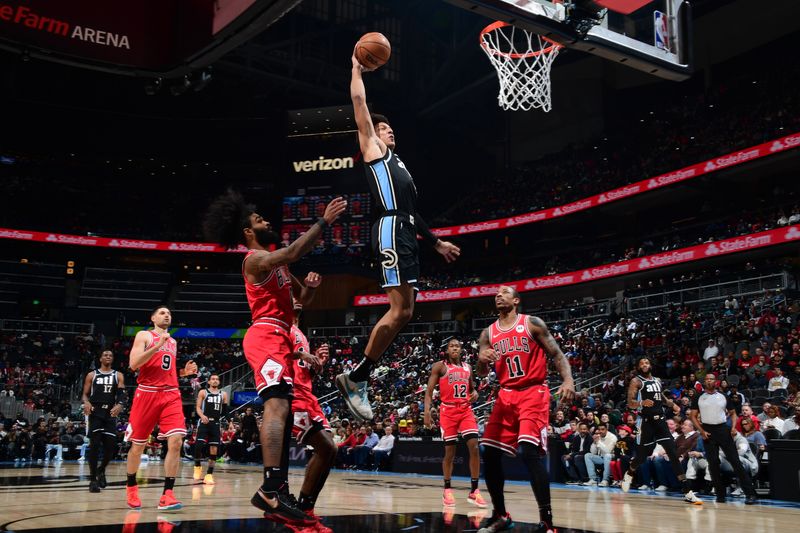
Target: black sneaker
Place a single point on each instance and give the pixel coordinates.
(544, 527)
(93, 486)
(101, 479)
(720, 499)
(285, 512)
(751, 499)
(498, 523)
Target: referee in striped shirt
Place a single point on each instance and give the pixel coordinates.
(714, 409)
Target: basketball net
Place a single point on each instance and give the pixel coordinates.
(522, 60)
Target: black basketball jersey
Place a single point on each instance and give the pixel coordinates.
(651, 390)
(212, 405)
(391, 185)
(103, 395)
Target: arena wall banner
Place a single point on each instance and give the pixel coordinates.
(193, 333)
(112, 242)
(735, 158)
(640, 264)
(423, 455)
(632, 189)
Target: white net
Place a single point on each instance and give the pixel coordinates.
(522, 60)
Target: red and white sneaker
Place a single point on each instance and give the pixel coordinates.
(133, 497)
(475, 498)
(447, 498)
(168, 502)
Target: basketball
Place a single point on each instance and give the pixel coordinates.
(373, 50)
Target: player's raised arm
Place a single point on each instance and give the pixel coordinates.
(545, 339)
(371, 146)
(264, 261)
(304, 292)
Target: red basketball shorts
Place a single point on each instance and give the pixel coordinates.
(518, 416)
(268, 348)
(151, 406)
(457, 420)
(307, 415)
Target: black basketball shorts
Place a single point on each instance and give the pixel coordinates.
(208, 433)
(394, 240)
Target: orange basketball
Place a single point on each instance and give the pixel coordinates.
(373, 50)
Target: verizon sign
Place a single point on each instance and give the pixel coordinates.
(673, 257)
(322, 164)
(712, 165)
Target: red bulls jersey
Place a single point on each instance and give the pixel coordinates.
(161, 369)
(272, 298)
(302, 373)
(522, 361)
(454, 385)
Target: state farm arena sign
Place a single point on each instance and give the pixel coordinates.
(627, 191)
(114, 242)
(147, 34)
(640, 264)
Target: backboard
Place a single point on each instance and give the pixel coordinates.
(654, 38)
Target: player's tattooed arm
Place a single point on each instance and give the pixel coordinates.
(545, 339)
(264, 261)
(486, 355)
(633, 390)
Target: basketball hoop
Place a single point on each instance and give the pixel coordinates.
(522, 60)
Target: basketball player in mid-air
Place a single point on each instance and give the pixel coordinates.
(456, 419)
(267, 344)
(518, 346)
(394, 237)
(209, 407)
(157, 401)
(646, 397)
(311, 427)
(103, 400)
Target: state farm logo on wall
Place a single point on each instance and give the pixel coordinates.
(24, 17)
(792, 234)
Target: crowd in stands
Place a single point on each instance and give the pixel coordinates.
(741, 112)
(658, 241)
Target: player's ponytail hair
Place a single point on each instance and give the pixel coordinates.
(226, 218)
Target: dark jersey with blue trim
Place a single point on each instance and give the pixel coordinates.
(212, 405)
(103, 395)
(391, 185)
(651, 390)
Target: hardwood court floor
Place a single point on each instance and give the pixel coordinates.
(56, 498)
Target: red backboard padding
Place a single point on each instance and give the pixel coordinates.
(623, 6)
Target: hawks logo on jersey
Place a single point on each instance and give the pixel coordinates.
(522, 361)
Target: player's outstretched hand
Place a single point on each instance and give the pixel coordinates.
(358, 66)
(116, 410)
(313, 280)
(322, 352)
(449, 251)
(566, 391)
(87, 408)
(335, 210)
(487, 356)
(204, 419)
(311, 360)
(190, 369)
(647, 403)
(427, 420)
(474, 396)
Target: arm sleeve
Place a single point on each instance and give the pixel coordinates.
(424, 231)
